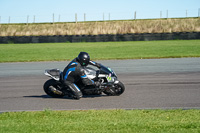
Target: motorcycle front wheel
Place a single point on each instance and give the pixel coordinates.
(116, 90)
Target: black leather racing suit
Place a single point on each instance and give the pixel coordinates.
(73, 72)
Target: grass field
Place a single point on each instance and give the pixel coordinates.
(102, 121)
(98, 121)
(100, 50)
(106, 27)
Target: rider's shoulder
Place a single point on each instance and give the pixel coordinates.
(74, 63)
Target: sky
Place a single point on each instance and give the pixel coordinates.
(23, 11)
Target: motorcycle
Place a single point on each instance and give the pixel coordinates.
(109, 84)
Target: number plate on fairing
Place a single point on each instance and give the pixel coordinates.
(110, 79)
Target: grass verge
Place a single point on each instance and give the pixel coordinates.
(105, 27)
(99, 50)
(121, 121)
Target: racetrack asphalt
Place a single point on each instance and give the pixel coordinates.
(150, 84)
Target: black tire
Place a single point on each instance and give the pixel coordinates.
(51, 83)
(117, 90)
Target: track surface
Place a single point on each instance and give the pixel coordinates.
(150, 84)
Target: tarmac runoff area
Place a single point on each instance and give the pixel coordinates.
(150, 84)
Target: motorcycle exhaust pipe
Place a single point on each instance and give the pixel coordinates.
(54, 90)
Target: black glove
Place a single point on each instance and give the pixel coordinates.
(98, 65)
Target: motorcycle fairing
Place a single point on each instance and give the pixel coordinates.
(90, 72)
(53, 73)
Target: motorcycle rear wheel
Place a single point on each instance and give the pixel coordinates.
(117, 90)
(51, 84)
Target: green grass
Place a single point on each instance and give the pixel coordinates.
(99, 50)
(98, 121)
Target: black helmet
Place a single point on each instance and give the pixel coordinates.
(83, 58)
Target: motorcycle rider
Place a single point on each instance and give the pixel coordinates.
(75, 70)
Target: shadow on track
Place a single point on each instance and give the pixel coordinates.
(65, 97)
(38, 96)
